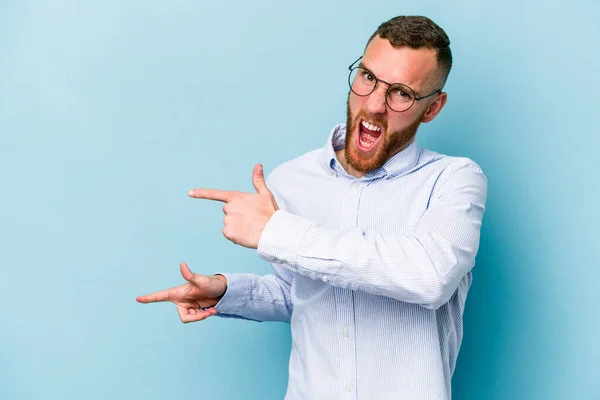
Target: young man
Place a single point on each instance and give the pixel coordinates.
(372, 238)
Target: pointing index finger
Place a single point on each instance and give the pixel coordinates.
(212, 194)
(163, 295)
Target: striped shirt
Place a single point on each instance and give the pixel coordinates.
(372, 273)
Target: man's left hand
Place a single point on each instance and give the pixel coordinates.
(246, 214)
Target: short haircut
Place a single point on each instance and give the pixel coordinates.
(418, 32)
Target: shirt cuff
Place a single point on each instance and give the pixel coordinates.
(237, 294)
(280, 240)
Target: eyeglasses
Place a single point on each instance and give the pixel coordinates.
(398, 96)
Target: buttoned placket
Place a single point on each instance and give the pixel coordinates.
(344, 298)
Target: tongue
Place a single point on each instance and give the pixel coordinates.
(371, 135)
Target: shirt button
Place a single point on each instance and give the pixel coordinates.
(345, 333)
(325, 279)
(349, 388)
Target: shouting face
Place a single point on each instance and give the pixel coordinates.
(374, 132)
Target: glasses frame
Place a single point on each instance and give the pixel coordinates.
(377, 80)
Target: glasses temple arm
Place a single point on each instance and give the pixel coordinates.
(429, 95)
(352, 65)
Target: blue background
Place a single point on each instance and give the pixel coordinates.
(110, 111)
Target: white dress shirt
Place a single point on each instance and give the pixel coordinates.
(372, 273)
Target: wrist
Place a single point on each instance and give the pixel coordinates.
(223, 279)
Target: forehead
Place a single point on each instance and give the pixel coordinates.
(413, 67)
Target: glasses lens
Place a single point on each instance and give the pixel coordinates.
(362, 82)
(400, 97)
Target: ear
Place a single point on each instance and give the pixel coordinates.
(435, 107)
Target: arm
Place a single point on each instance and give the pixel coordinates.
(424, 268)
(257, 298)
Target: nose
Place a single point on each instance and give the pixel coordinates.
(376, 100)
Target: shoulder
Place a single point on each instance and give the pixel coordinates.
(298, 166)
(448, 165)
(292, 180)
(453, 174)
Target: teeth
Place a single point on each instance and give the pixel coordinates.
(366, 143)
(370, 126)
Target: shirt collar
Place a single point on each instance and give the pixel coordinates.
(399, 163)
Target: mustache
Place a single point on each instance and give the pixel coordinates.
(363, 114)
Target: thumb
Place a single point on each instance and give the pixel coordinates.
(258, 180)
(191, 277)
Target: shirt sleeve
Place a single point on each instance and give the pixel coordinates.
(257, 298)
(425, 267)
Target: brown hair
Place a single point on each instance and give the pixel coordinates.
(418, 32)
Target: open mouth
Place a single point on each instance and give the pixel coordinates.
(368, 136)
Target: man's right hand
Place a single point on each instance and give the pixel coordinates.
(194, 300)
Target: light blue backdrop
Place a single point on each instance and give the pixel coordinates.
(110, 111)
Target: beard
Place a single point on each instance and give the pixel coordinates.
(388, 145)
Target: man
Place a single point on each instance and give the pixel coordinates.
(372, 238)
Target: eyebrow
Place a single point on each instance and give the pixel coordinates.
(362, 65)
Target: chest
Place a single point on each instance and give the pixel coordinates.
(380, 205)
